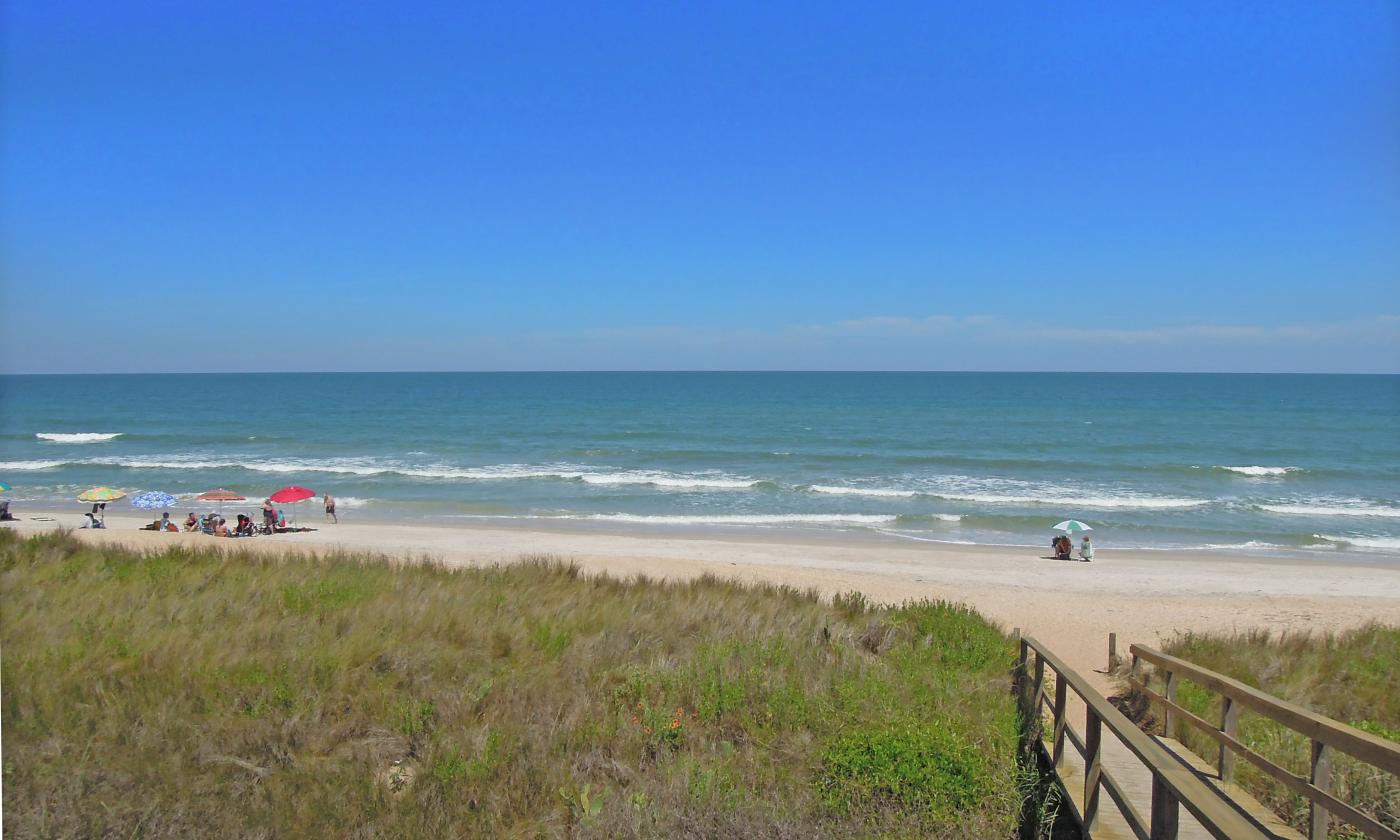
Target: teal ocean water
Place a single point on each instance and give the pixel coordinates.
(1267, 463)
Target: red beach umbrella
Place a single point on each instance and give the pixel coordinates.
(291, 494)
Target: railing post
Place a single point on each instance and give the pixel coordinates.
(1166, 811)
(1321, 778)
(1169, 720)
(1230, 725)
(1112, 652)
(1093, 769)
(1058, 750)
(1022, 670)
(1037, 690)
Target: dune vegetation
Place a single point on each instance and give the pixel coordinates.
(1353, 677)
(205, 693)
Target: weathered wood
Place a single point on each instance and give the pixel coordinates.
(1363, 745)
(1229, 725)
(1166, 812)
(1169, 719)
(1112, 652)
(1349, 814)
(1321, 779)
(1217, 816)
(1039, 689)
(1093, 768)
(1057, 753)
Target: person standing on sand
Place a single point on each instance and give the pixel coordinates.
(330, 509)
(1086, 549)
(269, 516)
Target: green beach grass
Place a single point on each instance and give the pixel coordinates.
(199, 693)
(1353, 677)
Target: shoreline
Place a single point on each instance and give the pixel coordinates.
(1142, 595)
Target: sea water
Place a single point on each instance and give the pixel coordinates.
(1267, 463)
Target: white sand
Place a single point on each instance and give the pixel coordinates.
(1141, 595)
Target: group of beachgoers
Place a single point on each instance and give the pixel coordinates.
(274, 521)
(1064, 548)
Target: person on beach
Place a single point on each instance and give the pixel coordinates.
(93, 521)
(1062, 547)
(191, 522)
(269, 516)
(1086, 549)
(330, 509)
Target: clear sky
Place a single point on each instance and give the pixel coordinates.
(447, 186)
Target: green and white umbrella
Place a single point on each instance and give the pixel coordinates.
(1072, 525)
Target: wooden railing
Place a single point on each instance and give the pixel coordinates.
(1325, 734)
(1174, 785)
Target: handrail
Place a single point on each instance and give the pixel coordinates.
(1363, 745)
(1172, 782)
(1325, 734)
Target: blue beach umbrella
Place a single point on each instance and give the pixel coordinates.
(153, 500)
(1072, 525)
(5, 488)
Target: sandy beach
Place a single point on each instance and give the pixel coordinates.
(1142, 596)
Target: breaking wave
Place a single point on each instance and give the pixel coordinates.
(1260, 472)
(883, 492)
(1381, 543)
(745, 519)
(1332, 508)
(76, 437)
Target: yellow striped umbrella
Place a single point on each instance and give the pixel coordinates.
(101, 494)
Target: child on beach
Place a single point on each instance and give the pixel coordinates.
(1086, 549)
(330, 509)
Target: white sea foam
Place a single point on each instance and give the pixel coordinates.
(1260, 472)
(863, 491)
(1381, 543)
(1250, 545)
(1072, 501)
(25, 466)
(76, 437)
(369, 467)
(1337, 507)
(745, 519)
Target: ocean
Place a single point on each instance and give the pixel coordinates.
(1238, 462)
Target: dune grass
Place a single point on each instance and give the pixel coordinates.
(198, 693)
(1353, 677)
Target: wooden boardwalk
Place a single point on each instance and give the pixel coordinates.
(1124, 783)
(1135, 779)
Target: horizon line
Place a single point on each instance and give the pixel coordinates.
(703, 371)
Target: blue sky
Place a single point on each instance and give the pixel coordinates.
(380, 186)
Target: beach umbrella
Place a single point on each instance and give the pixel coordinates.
(5, 488)
(101, 495)
(291, 494)
(1072, 525)
(220, 496)
(153, 500)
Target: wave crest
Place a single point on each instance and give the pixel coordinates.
(1379, 543)
(1332, 508)
(745, 518)
(1260, 472)
(76, 437)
